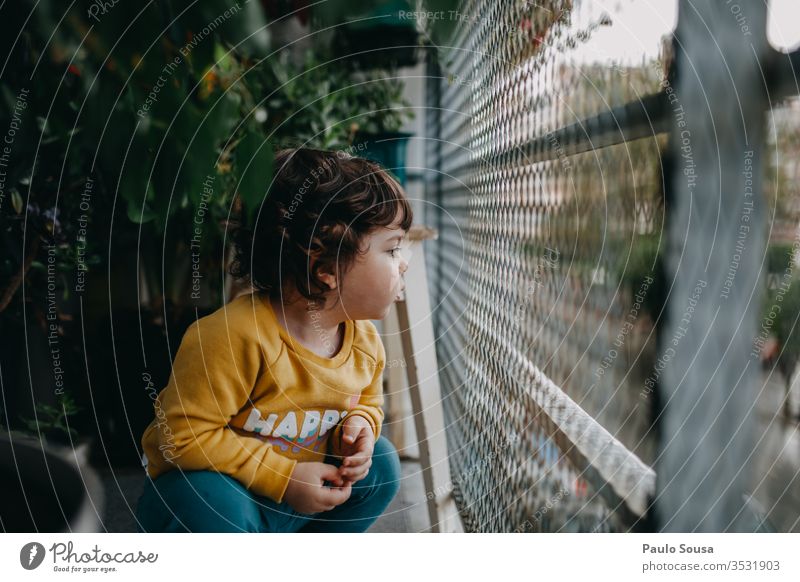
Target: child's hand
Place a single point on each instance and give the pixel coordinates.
(358, 442)
(307, 492)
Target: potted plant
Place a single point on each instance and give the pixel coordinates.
(305, 103)
(381, 111)
(319, 103)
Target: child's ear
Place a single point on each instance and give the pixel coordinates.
(326, 276)
(329, 279)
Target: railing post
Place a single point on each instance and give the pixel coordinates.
(714, 259)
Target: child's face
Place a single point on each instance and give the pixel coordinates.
(375, 280)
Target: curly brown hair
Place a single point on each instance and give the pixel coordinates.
(321, 205)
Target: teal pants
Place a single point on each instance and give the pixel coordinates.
(208, 501)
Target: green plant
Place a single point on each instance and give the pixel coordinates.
(53, 421)
(162, 133)
(140, 105)
(320, 102)
(305, 103)
(642, 262)
(380, 104)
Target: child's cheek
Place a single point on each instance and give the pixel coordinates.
(393, 276)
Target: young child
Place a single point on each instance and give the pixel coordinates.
(271, 420)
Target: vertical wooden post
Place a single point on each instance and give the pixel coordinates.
(396, 406)
(419, 350)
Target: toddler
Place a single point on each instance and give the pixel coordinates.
(271, 420)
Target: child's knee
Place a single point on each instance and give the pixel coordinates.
(386, 466)
(200, 501)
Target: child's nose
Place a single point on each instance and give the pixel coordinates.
(403, 266)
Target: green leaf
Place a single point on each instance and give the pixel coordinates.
(16, 201)
(214, 126)
(139, 214)
(254, 164)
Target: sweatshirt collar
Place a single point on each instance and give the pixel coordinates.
(294, 345)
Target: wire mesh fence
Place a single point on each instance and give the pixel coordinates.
(552, 135)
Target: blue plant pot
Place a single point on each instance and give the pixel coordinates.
(388, 149)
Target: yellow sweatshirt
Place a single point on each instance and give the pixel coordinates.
(247, 399)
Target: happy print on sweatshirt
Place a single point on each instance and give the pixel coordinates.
(314, 426)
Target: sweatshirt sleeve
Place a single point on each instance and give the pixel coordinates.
(213, 375)
(370, 404)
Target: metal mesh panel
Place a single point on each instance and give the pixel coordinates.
(544, 277)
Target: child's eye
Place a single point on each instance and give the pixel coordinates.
(393, 251)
